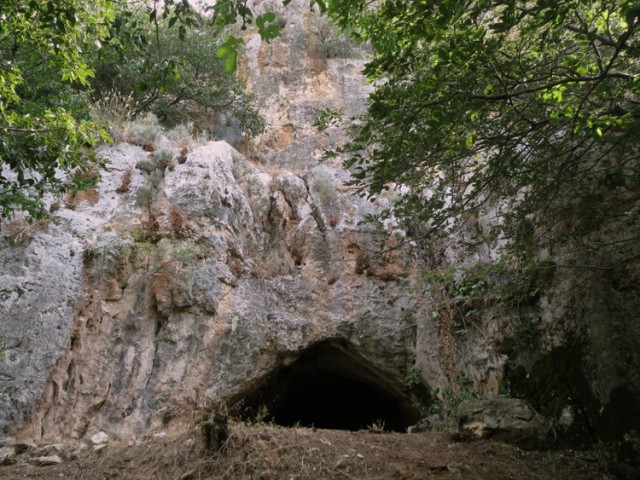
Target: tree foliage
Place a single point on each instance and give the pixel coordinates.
(45, 129)
(174, 74)
(50, 52)
(530, 108)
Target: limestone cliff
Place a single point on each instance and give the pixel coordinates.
(175, 285)
(200, 280)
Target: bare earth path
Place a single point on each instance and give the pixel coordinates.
(267, 453)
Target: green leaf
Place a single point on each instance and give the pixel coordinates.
(228, 51)
(231, 62)
(582, 70)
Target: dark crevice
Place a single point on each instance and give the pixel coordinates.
(330, 386)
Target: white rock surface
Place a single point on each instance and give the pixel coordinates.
(100, 438)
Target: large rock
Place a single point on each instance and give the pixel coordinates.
(207, 275)
(41, 278)
(7, 456)
(164, 317)
(509, 420)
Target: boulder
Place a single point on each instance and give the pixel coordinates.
(509, 420)
(428, 424)
(7, 456)
(61, 449)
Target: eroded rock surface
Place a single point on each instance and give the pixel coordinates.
(507, 419)
(195, 294)
(189, 284)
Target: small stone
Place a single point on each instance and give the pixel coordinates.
(427, 424)
(7, 456)
(45, 461)
(100, 438)
(78, 449)
(60, 449)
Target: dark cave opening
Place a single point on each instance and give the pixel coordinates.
(330, 386)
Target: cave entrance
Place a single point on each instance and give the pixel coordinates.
(330, 386)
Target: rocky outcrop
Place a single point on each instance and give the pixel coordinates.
(171, 286)
(194, 290)
(506, 419)
(166, 287)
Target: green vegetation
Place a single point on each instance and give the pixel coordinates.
(176, 76)
(529, 109)
(325, 40)
(412, 379)
(532, 109)
(45, 126)
(68, 68)
(463, 295)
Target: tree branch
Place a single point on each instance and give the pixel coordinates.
(564, 81)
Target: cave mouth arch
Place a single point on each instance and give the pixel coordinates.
(330, 385)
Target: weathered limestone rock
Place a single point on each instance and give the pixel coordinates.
(136, 306)
(45, 461)
(41, 279)
(209, 277)
(7, 456)
(100, 438)
(506, 419)
(165, 321)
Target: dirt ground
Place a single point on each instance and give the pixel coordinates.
(270, 453)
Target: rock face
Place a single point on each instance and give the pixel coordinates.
(36, 314)
(224, 274)
(507, 419)
(140, 301)
(168, 287)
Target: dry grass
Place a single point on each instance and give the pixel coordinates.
(179, 222)
(269, 265)
(19, 230)
(125, 182)
(274, 453)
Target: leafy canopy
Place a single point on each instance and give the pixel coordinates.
(532, 108)
(175, 75)
(45, 127)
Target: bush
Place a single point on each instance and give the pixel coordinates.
(177, 79)
(144, 132)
